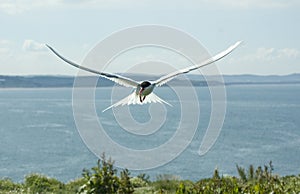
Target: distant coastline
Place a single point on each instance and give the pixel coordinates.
(49, 81)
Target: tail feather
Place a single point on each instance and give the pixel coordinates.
(134, 99)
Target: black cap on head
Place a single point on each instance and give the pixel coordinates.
(145, 84)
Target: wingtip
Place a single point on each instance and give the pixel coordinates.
(104, 110)
(239, 42)
(234, 46)
(49, 46)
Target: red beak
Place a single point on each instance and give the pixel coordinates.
(140, 93)
(142, 89)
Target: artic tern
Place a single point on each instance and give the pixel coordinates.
(143, 93)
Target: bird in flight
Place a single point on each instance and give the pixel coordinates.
(143, 92)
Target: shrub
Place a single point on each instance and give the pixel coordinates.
(74, 186)
(138, 182)
(166, 182)
(125, 184)
(35, 183)
(8, 185)
(103, 179)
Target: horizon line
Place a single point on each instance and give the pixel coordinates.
(142, 74)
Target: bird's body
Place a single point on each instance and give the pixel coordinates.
(144, 89)
(143, 93)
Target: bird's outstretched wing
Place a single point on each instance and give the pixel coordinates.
(124, 81)
(169, 77)
(134, 99)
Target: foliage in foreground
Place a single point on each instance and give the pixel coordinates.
(104, 178)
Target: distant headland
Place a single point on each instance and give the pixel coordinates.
(51, 81)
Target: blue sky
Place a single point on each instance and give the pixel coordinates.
(269, 28)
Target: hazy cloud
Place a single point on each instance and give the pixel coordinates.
(288, 52)
(5, 47)
(264, 54)
(18, 6)
(256, 3)
(269, 54)
(31, 45)
(4, 42)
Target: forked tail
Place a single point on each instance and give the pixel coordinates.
(134, 99)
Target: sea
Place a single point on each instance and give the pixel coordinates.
(39, 132)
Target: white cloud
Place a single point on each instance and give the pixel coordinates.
(5, 48)
(264, 54)
(256, 3)
(4, 51)
(20, 6)
(31, 45)
(263, 61)
(4, 42)
(269, 54)
(288, 52)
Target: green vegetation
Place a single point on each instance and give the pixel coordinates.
(104, 178)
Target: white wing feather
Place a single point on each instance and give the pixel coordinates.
(168, 77)
(124, 81)
(134, 99)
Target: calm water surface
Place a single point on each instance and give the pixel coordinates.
(38, 132)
